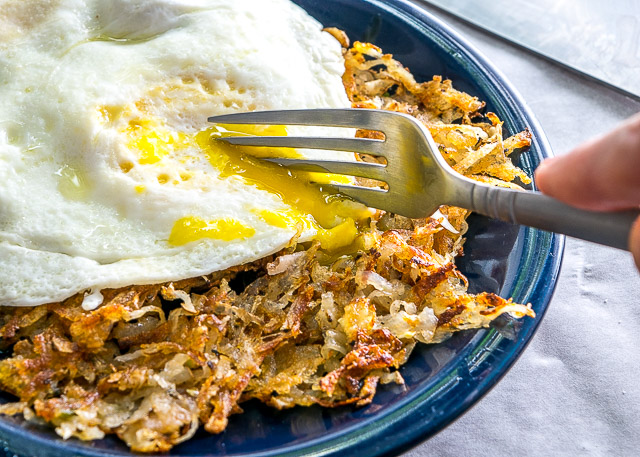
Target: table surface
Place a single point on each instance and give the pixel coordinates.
(575, 391)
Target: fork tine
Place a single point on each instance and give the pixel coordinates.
(370, 196)
(361, 145)
(362, 169)
(345, 117)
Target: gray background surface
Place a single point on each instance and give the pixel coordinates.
(599, 38)
(576, 389)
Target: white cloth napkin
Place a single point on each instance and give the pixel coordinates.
(576, 389)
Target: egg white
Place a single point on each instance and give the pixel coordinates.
(75, 73)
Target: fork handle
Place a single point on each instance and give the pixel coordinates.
(540, 211)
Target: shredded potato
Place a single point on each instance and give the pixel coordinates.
(302, 327)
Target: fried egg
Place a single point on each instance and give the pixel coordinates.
(109, 173)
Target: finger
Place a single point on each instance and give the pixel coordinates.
(634, 242)
(602, 174)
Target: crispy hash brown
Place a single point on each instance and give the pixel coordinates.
(301, 327)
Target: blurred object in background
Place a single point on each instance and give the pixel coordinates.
(600, 39)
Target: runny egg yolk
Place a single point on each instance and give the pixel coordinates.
(192, 228)
(315, 206)
(330, 239)
(312, 205)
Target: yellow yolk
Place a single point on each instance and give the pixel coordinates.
(193, 228)
(154, 142)
(313, 203)
(316, 205)
(330, 239)
(341, 235)
(287, 218)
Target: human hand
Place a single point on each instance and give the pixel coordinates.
(602, 174)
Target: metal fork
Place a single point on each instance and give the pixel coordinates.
(419, 179)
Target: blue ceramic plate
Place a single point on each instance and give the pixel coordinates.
(442, 381)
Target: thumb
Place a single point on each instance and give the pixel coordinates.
(601, 174)
(634, 242)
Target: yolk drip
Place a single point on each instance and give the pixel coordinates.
(332, 216)
(331, 239)
(287, 218)
(193, 228)
(343, 234)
